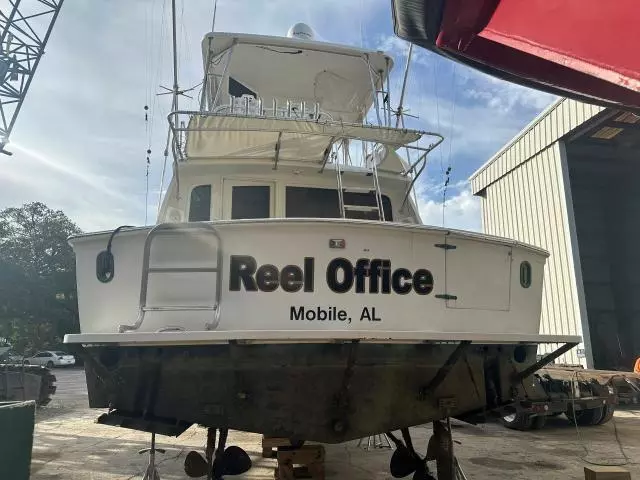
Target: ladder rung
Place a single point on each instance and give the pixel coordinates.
(182, 269)
(361, 208)
(359, 189)
(180, 308)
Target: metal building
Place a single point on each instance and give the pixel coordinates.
(569, 182)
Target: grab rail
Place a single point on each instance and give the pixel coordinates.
(167, 228)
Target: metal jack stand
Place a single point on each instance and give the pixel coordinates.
(441, 450)
(151, 472)
(379, 440)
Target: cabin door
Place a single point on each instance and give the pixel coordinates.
(478, 275)
(243, 199)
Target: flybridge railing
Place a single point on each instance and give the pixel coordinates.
(345, 148)
(249, 105)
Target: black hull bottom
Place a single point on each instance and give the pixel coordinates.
(321, 392)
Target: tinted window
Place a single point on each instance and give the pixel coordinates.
(250, 201)
(237, 89)
(323, 203)
(200, 204)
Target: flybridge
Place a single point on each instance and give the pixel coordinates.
(341, 275)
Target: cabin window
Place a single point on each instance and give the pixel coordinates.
(250, 201)
(303, 202)
(525, 274)
(200, 204)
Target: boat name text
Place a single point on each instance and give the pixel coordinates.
(342, 276)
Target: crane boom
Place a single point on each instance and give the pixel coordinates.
(24, 33)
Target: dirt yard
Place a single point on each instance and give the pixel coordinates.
(68, 445)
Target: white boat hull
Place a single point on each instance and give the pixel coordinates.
(482, 274)
(312, 346)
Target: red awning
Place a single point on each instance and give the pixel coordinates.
(585, 49)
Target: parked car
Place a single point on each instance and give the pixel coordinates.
(51, 359)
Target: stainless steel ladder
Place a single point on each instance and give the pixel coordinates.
(371, 170)
(147, 269)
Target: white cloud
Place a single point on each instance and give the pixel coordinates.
(461, 211)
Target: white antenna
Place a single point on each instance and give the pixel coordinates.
(400, 111)
(215, 9)
(176, 91)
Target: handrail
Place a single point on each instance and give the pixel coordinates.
(164, 228)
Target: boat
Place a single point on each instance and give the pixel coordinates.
(289, 287)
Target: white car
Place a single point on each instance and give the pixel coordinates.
(51, 359)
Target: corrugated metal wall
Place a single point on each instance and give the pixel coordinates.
(528, 204)
(553, 123)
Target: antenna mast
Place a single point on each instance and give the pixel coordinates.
(176, 91)
(400, 110)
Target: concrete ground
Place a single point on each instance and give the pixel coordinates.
(69, 445)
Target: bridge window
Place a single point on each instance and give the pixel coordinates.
(200, 204)
(303, 202)
(250, 201)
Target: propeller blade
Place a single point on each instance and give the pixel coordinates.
(235, 461)
(195, 465)
(403, 463)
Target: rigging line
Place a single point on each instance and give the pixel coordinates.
(453, 110)
(164, 169)
(361, 25)
(146, 194)
(159, 66)
(435, 86)
(453, 115)
(213, 20)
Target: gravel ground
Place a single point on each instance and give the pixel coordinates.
(69, 445)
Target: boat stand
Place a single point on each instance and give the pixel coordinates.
(379, 440)
(151, 473)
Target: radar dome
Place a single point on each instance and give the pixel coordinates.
(301, 31)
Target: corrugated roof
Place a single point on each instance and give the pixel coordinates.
(553, 123)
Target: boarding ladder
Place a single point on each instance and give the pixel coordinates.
(164, 229)
(347, 210)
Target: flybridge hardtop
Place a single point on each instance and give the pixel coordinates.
(288, 287)
(342, 79)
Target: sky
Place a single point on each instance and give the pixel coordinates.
(80, 141)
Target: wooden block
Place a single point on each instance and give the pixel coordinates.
(606, 473)
(284, 472)
(275, 442)
(269, 443)
(314, 471)
(302, 456)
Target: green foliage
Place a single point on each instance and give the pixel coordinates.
(38, 302)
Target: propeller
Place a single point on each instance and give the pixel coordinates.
(233, 461)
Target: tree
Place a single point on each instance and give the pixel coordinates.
(38, 301)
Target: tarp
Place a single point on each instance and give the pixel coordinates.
(583, 49)
(229, 136)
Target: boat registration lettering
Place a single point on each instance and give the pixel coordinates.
(342, 276)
